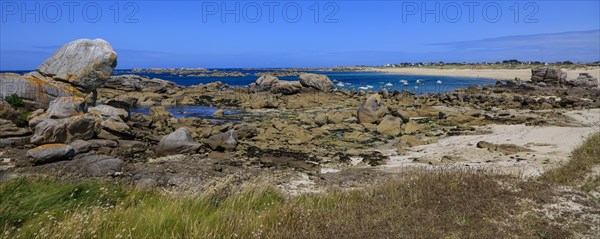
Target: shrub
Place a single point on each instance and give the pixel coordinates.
(14, 100)
(17, 116)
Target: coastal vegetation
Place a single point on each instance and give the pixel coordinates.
(420, 204)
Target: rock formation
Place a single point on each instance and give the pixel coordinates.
(371, 110)
(85, 64)
(316, 81)
(224, 141)
(76, 69)
(307, 82)
(585, 80)
(548, 76)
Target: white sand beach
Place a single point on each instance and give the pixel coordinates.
(501, 74)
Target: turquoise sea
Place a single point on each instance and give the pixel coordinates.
(366, 81)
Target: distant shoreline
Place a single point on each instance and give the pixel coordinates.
(497, 74)
(492, 74)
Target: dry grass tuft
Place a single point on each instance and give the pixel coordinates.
(579, 171)
(17, 116)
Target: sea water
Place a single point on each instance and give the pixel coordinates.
(365, 81)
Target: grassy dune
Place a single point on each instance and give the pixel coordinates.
(578, 172)
(424, 204)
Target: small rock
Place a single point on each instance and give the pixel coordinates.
(402, 114)
(390, 126)
(413, 128)
(178, 142)
(94, 165)
(321, 119)
(51, 153)
(286, 87)
(9, 129)
(371, 110)
(222, 142)
(503, 148)
(81, 146)
(219, 113)
(316, 81)
(160, 112)
(245, 131)
(410, 141)
(107, 111)
(64, 107)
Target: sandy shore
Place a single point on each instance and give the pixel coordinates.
(550, 145)
(505, 74)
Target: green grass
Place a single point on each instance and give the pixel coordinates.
(455, 204)
(577, 171)
(44, 208)
(24, 202)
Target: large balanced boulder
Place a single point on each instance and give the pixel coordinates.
(51, 153)
(84, 63)
(316, 81)
(76, 69)
(224, 141)
(178, 142)
(371, 110)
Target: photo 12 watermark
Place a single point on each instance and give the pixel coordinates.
(68, 11)
(471, 12)
(269, 12)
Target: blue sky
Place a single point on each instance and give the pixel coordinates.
(207, 34)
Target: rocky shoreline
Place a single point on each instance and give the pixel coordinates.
(83, 126)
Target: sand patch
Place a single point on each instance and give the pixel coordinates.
(550, 145)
